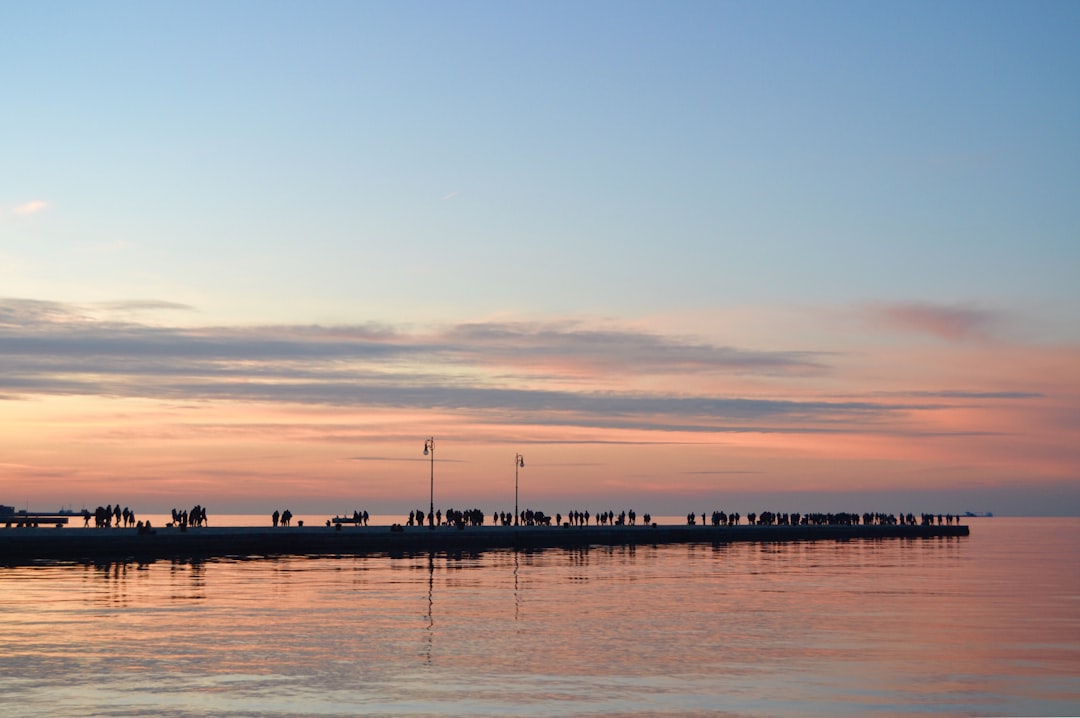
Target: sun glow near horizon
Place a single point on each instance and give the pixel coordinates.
(230, 416)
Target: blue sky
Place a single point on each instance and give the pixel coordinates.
(546, 156)
(819, 180)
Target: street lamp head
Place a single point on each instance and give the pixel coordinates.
(425, 449)
(521, 461)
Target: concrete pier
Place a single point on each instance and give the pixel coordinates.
(29, 545)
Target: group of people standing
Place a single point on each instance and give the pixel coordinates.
(772, 518)
(105, 516)
(526, 517)
(183, 518)
(108, 516)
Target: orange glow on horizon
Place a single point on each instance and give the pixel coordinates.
(879, 420)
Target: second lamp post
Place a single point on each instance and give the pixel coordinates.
(429, 448)
(519, 463)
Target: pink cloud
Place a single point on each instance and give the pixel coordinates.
(952, 323)
(159, 415)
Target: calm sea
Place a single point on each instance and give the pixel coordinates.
(983, 625)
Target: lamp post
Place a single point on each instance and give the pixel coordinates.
(519, 462)
(429, 448)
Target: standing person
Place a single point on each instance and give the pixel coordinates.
(275, 516)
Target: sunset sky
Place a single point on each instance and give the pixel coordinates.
(679, 255)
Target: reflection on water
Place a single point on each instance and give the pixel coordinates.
(430, 636)
(982, 625)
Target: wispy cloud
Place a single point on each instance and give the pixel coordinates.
(553, 374)
(32, 207)
(518, 370)
(949, 322)
(143, 305)
(703, 412)
(69, 330)
(960, 394)
(616, 349)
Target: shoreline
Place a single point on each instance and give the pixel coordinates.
(29, 545)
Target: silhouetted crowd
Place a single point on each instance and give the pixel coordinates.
(525, 517)
(105, 516)
(531, 517)
(454, 517)
(184, 518)
(769, 518)
(108, 516)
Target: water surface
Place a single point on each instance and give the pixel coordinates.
(983, 625)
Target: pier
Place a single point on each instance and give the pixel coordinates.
(28, 545)
(23, 519)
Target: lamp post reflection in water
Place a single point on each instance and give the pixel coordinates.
(430, 633)
(519, 463)
(429, 449)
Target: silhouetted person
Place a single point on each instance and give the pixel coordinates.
(275, 516)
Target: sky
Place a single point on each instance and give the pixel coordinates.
(680, 256)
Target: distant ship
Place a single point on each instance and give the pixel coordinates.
(977, 514)
(12, 511)
(22, 517)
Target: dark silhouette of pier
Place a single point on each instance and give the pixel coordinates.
(53, 544)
